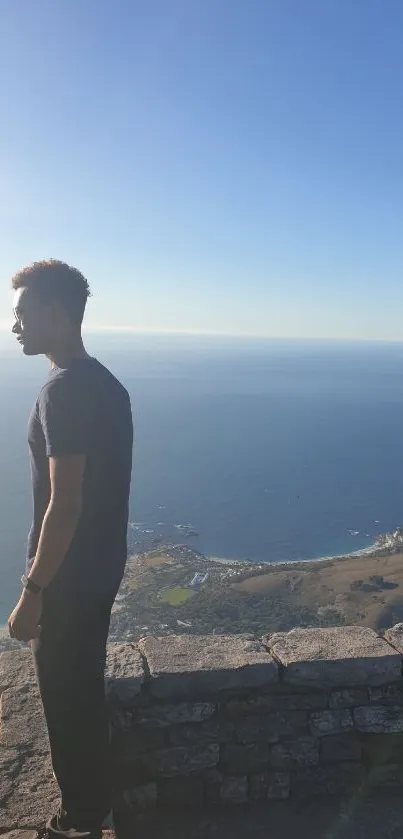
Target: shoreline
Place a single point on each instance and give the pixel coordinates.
(372, 550)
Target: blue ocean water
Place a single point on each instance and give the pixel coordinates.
(271, 450)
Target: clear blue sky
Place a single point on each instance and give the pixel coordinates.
(213, 165)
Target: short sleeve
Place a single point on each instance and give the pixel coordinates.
(66, 412)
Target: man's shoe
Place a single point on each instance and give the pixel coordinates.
(56, 829)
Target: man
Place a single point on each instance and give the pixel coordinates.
(80, 440)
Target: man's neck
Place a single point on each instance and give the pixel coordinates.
(61, 356)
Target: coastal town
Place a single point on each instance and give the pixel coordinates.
(174, 588)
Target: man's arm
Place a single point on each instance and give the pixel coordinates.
(67, 417)
(61, 518)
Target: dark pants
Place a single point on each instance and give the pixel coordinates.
(70, 662)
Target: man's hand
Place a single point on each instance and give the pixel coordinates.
(23, 623)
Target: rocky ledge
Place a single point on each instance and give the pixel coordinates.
(201, 720)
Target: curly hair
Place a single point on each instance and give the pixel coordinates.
(55, 281)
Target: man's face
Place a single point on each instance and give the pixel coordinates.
(34, 323)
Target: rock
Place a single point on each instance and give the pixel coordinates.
(124, 674)
(180, 760)
(348, 698)
(244, 760)
(130, 773)
(234, 790)
(225, 730)
(336, 779)
(272, 785)
(382, 748)
(386, 776)
(189, 665)
(330, 722)
(336, 656)
(394, 636)
(120, 719)
(184, 735)
(379, 719)
(341, 747)
(268, 702)
(301, 752)
(180, 793)
(386, 695)
(212, 731)
(212, 780)
(142, 797)
(270, 727)
(130, 743)
(185, 712)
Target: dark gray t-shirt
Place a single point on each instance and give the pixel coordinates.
(84, 410)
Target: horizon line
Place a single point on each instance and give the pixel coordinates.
(92, 329)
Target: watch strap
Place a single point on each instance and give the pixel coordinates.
(30, 586)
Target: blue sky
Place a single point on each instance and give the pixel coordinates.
(228, 166)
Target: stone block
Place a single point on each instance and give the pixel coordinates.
(180, 760)
(394, 636)
(244, 760)
(273, 785)
(335, 657)
(124, 674)
(290, 755)
(212, 731)
(331, 779)
(120, 719)
(191, 665)
(386, 695)
(225, 730)
(382, 748)
(181, 793)
(141, 797)
(129, 744)
(212, 781)
(386, 775)
(341, 747)
(348, 698)
(234, 790)
(271, 727)
(329, 722)
(267, 702)
(300, 702)
(198, 734)
(379, 719)
(183, 712)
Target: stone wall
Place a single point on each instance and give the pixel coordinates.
(223, 719)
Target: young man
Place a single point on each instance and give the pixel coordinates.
(80, 440)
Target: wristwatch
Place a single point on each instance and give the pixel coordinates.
(30, 586)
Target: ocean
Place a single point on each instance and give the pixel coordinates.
(268, 450)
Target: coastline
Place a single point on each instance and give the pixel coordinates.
(373, 550)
